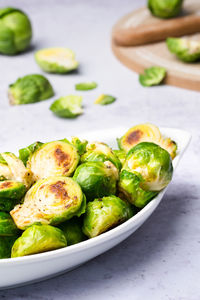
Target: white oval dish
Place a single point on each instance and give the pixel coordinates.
(28, 269)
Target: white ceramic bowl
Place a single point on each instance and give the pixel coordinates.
(23, 270)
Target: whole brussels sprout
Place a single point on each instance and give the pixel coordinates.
(97, 179)
(30, 89)
(67, 107)
(25, 153)
(153, 163)
(10, 194)
(14, 169)
(185, 49)
(129, 185)
(37, 239)
(100, 152)
(50, 201)
(6, 243)
(7, 225)
(165, 8)
(104, 214)
(52, 159)
(72, 230)
(56, 60)
(15, 31)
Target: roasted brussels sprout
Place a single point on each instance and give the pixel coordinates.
(53, 158)
(15, 31)
(105, 213)
(7, 225)
(129, 186)
(14, 169)
(146, 133)
(185, 49)
(105, 99)
(121, 154)
(152, 76)
(100, 152)
(56, 60)
(67, 107)
(97, 179)
(30, 89)
(85, 86)
(37, 239)
(25, 153)
(165, 8)
(79, 144)
(153, 163)
(6, 243)
(72, 230)
(50, 201)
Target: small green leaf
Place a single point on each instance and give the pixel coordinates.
(152, 76)
(105, 99)
(85, 86)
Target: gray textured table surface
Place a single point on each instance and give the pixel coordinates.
(162, 259)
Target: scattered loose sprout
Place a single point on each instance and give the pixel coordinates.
(105, 99)
(165, 8)
(85, 86)
(185, 49)
(67, 107)
(56, 60)
(72, 230)
(38, 238)
(152, 76)
(105, 213)
(15, 31)
(30, 89)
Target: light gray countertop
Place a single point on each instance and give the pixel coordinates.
(162, 259)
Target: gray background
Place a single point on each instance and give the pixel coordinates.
(162, 259)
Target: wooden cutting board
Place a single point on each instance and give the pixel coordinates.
(137, 58)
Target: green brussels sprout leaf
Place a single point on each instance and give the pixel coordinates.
(105, 99)
(25, 153)
(80, 145)
(152, 76)
(67, 107)
(85, 86)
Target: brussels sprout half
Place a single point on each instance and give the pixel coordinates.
(25, 153)
(56, 60)
(129, 186)
(53, 158)
(97, 179)
(37, 239)
(104, 214)
(7, 225)
(72, 230)
(152, 76)
(97, 151)
(153, 163)
(165, 8)
(15, 31)
(50, 201)
(67, 107)
(185, 49)
(6, 243)
(30, 89)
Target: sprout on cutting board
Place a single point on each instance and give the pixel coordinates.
(152, 76)
(165, 8)
(186, 50)
(67, 107)
(85, 86)
(15, 31)
(30, 89)
(56, 60)
(105, 99)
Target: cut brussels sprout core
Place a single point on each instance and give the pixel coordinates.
(152, 76)
(85, 86)
(7, 225)
(30, 89)
(37, 239)
(105, 99)
(72, 230)
(50, 201)
(67, 107)
(56, 60)
(53, 158)
(165, 8)
(15, 31)
(97, 179)
(104, 214)
(12, 189)
(6, 243)
(100, 152)
(153, 163)
(186, 50)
